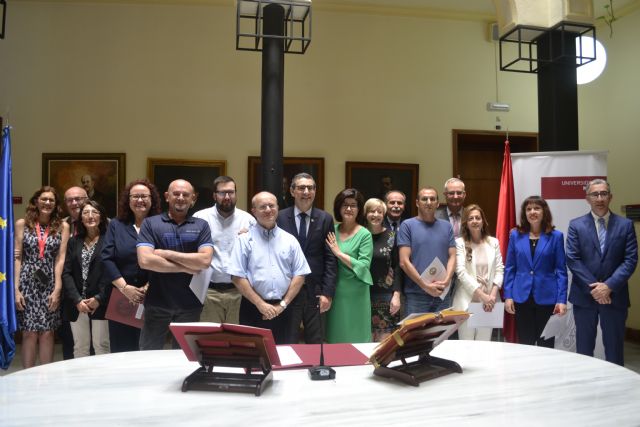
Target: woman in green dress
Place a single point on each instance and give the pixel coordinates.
(349, 319)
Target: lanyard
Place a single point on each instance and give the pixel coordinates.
(42, 240)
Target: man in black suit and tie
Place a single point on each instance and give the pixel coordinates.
(310, 226)
(395, 201)
(602, 254)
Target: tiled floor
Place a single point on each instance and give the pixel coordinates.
(631, 356)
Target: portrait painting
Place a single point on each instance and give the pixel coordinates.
(200, 173)
(102, 175)
(291, 166)
(375, 179)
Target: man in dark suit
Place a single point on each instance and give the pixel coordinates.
(452, 211)
(602, 253)
(310, 226)
(395, 201)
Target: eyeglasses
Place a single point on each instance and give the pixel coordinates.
(75, 199)
(90, 213)
(225, 193)
(596, 194)
(309, 188)
(139, 196)
(349, 206)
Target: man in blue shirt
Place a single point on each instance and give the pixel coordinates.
(421, 240)
(268, 266)
(172, 246)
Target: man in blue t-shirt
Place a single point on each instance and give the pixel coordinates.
(421, 240)
(172, 246)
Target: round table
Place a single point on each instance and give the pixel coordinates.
(502, 384)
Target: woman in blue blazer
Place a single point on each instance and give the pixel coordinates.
(535, 279)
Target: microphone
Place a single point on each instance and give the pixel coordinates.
(321, 372)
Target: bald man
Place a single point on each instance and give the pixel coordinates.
(172, 246)
(268, 266)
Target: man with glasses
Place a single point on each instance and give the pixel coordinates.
(602, 254)
(74, 198)
(173, 246)
(421, 240)
(310, 226)
(268, 267)
(222, 303)
(452, 212)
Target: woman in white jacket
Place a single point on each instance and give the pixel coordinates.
(479, 269)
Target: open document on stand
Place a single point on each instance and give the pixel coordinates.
(436, 271)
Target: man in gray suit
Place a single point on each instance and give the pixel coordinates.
(452, 212)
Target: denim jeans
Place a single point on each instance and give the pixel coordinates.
(156, 325)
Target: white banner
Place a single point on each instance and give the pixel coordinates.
(561, 179)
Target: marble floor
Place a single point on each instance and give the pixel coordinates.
(631, 357)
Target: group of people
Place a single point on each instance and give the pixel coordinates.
(348, 281)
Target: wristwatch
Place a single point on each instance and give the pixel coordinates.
(283, 304)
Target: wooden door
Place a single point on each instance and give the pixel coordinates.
(477, 160)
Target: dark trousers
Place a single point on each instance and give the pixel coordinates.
(156, 325)
(66, 336)
(612, 323)
(280, 326)
(123, 337)
(531, 318)
(304, 309)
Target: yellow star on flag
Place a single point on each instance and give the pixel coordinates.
(3, 222)
(3, 277)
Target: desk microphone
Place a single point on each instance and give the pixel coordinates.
(321, 372)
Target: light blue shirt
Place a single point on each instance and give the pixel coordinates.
(268, 259)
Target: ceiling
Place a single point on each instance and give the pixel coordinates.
(464, 9)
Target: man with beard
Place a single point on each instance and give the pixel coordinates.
(395, 201)
(172, 246)
(222, 304)
(268, 267)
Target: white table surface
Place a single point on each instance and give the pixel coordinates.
(502, 384)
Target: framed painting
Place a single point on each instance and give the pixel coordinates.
(291, 166)
(102, 175)
(376, 179)
(200, 173)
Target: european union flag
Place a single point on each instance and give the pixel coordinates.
(8, 322)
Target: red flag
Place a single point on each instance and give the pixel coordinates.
(505, 222)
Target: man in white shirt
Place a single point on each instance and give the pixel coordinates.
(222, 303)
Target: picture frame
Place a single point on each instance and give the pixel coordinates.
(374, 179)
(101, 174)
(291, 166)
(200, 173)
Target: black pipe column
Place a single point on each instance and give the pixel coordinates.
(271, 148)
(557, 92)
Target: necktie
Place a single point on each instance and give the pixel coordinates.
(602, 233)
(394, 226)
(456, 225)
(302, 231)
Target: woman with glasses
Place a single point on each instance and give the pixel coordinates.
(85, 288)
(349, 319)
(138, 200)
(479, 269)
(40, 246)
(535, 278)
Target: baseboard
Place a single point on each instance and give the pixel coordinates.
(632, 335)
